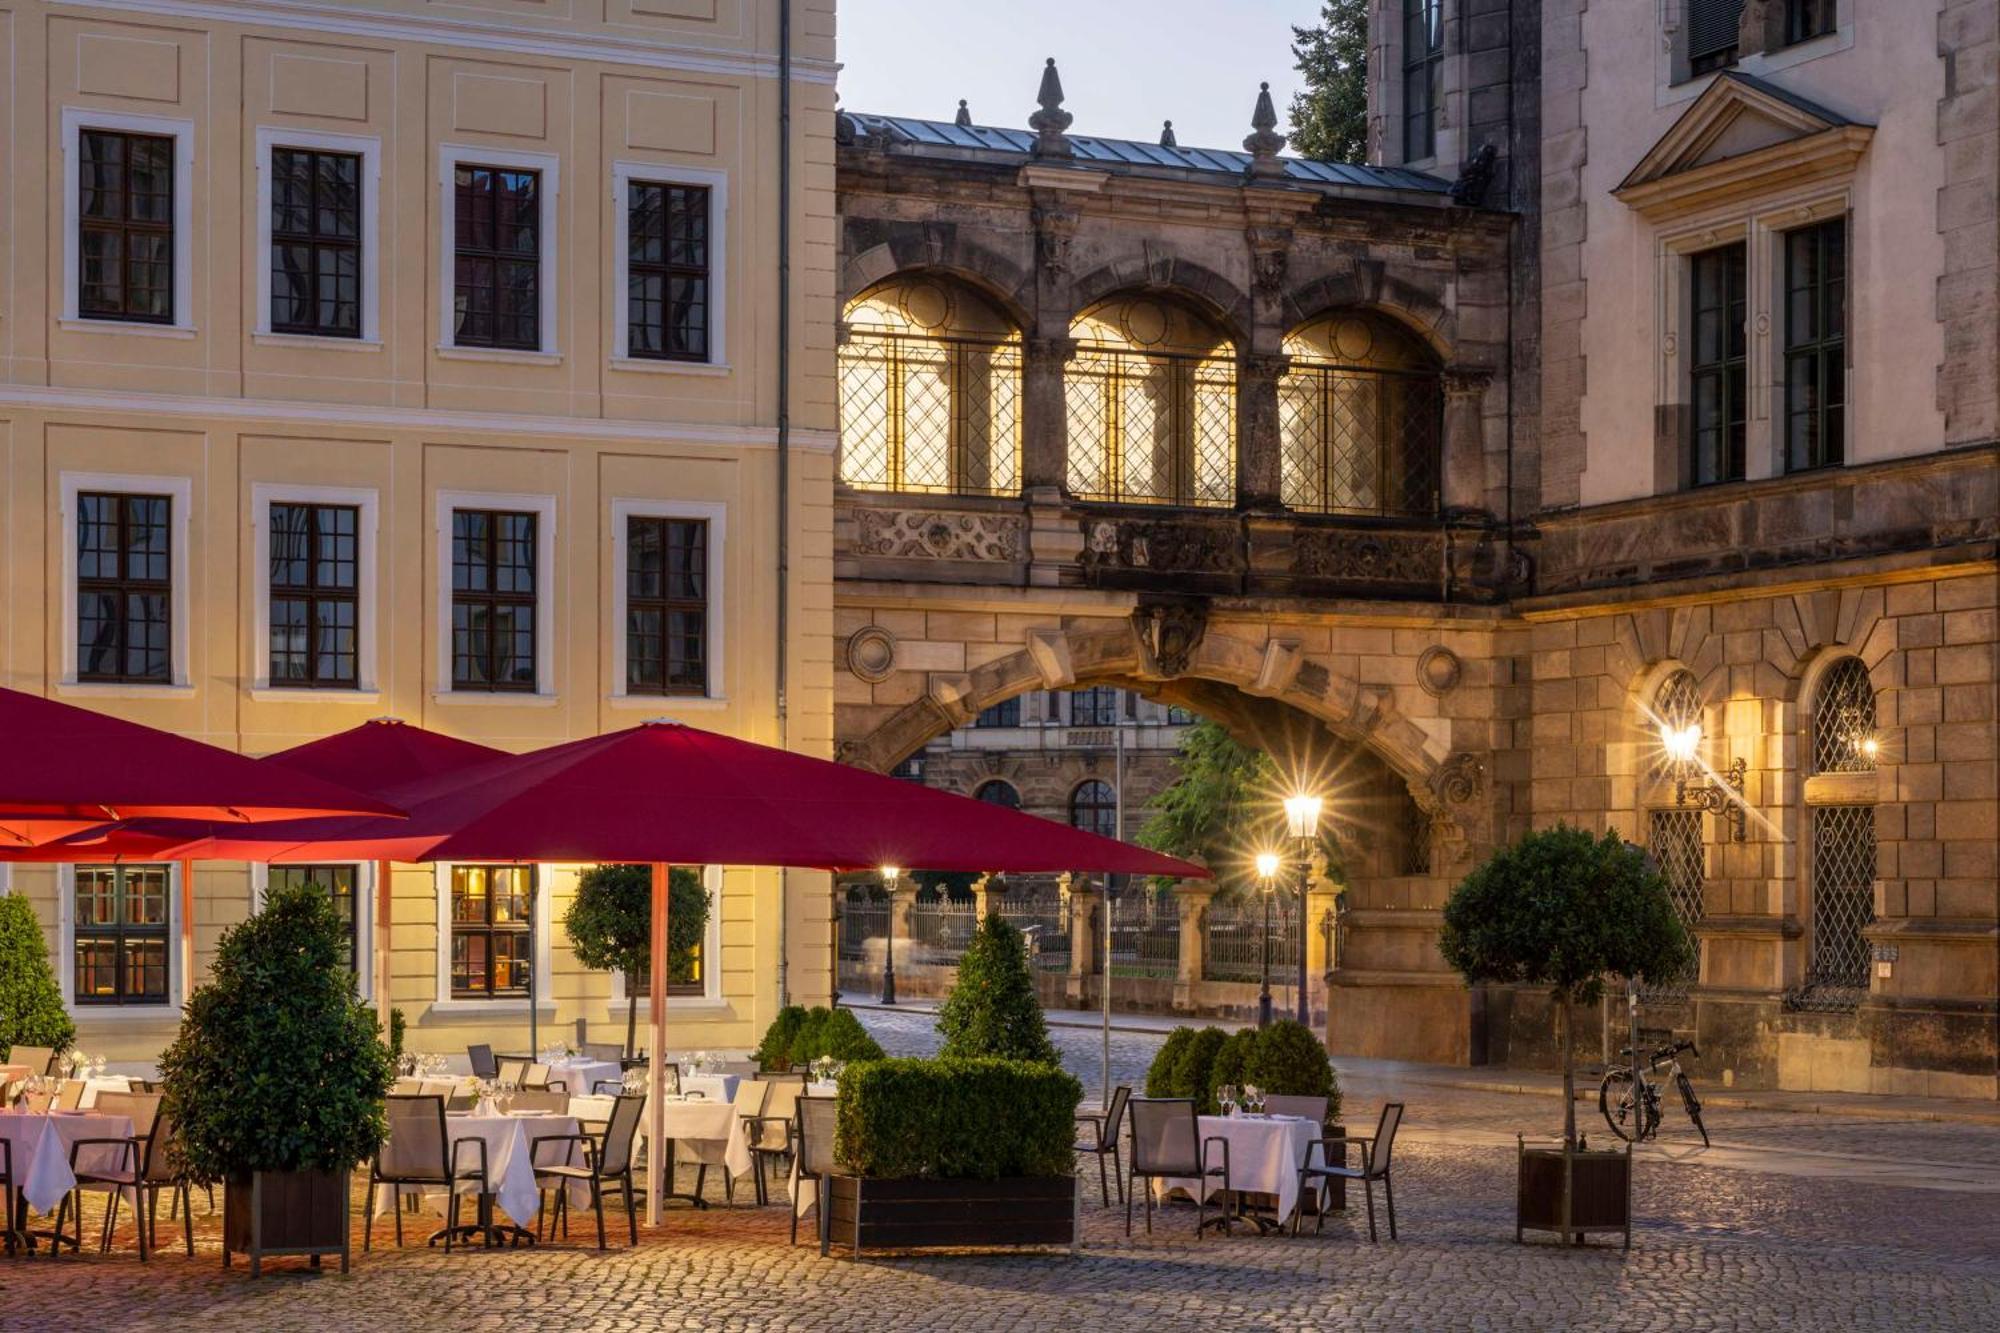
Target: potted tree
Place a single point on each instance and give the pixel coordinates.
(31, 1005)
(275, 1082)
(992, 1009)
(1563, 909)
(609, 924)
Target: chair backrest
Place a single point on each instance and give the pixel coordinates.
(540, 1099)
(38, 1059)
(143, 1107)
(604, 1050)
(516, 1071)
(72, 1095)
(750, 1095)
(435, 1087)
(537, 1076)
(740, 1068)
(1166, 1139)
(483, 1063)
(816, 1121)
(1298, 1104)
(406, 1087)
(779, 1105)
(159, 1164)
(1120, 1096)
(417, 1148)
(619, 1131)
(1385, 1137)
(461, 1101)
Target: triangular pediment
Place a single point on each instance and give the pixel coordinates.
(1740, 133)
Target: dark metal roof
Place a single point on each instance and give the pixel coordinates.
(943, 134)
(1790, 98)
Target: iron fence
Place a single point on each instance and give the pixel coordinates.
(939, 931)
(860, 923)
(1145, 937)
(1233, 947)
(1045, 921)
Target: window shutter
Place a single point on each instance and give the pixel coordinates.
(1711, 26)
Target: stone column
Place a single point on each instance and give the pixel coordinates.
(1258, 450)
(1322, 903)
(1044, 415)
(981, 896)
(1463, 449)
(1192, 896)
(1085, 943)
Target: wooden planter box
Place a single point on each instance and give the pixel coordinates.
(267, 1213)
(1600, 1197)
(932, 1214)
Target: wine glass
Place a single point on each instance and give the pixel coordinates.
(1253, 1098)
(1225, 1096)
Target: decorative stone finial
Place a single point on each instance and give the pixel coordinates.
(964, 116)
(1264, 142)
(1167, 139)
(1050, 122)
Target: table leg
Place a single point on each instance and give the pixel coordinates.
(673, 1174)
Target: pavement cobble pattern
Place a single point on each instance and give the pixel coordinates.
(1772, 1234)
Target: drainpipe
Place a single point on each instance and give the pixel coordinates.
(784, 440)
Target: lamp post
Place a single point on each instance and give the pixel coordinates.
(889, 876)
(1267, 877)
(1302, 822)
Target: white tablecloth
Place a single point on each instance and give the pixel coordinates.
(41, 1151)
(581, 1077)
(1265, 1154)
(508, 1168)
(103, 1083)
(715, 1087)
(703, 1132)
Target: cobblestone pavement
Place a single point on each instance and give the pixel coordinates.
(1723, 1245)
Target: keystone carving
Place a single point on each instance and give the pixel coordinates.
(1281, 666)
(1169, 635)
(1049, 650)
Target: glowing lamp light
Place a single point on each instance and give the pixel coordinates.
(1267, 866)
(1302, 816)
(1681, 742)
(890, 874)
(1871, 747)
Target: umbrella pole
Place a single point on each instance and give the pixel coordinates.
(534, 970)
(656, 1068)
(383, 928)
(187, 931)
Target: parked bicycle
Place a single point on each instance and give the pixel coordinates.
(1637, 1117)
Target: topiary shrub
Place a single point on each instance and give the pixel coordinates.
(1160, 1074)
(992, 1009)
(818, 1031)
(277, 1066)
(775, 1051)
(1232, 1058)
(610, 925)
(1286, 1058)
(31, 1005)
(968, 1119)
(1194, 1076)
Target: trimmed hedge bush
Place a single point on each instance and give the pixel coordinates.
(1184, 1066)
(799, 1036)
(992, 1009)
(1284, 1058)
(774, 1052)
(1160, 1074)
(1233, 1059)
(31, 1003)
(969, 1119)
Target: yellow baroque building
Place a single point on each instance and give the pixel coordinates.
(389, 358)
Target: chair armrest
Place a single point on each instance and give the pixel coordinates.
(1326, 1147)
(556, 1085)
(616, 1086)
(589, 1142)
(1095, 1119)
(456, 1144)
(752, 1130)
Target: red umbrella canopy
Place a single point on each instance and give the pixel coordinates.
(64, 768)
(674, 793)
(384, 753)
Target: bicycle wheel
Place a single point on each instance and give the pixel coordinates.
(1618, 1106)
(1693, 1105)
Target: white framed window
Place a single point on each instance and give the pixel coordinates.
(180, 317)
(705, 265)
(366, 506)
(453, 300)
(542, 508)
(351, 887)
(179, 494)
(122, 948)
(366, 235)
(482, 944)
(711, 960)
(713, 517)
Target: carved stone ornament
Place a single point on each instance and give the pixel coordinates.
(871, 653)
(925, 534)
(1162, 546)
(1055, 228)
(1171, 634)
(1438, 670)
(1366, 557)
(1460, 778)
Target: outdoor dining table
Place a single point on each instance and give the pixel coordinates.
(40, 1144)
(710, 1130)
(1265, 1154)
(510, 1169)
(580, 1076)
(97, 1083)
(715, 1087)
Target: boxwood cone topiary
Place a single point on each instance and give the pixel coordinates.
(277, 1066)
(31, 1004)
(963, 1119)
(1232, 1058)
(992, 1010)
(1563, 909)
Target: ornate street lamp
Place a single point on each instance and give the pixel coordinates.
(889, 876)
(1302, 822)
(1723, 797)
(1267, 879)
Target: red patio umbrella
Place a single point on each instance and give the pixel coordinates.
(64, 769)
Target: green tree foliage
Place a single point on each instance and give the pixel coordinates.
(775, 1051)
(1160, 1074)
(610, 924)
(1286, 1058)
(277, 1066)
(1562, 909)
(1184, 1066)
(31, 1006)
(1225, 804)
(1232, 1059)
(798, 1036)
(1330, 116)
(992, 1010)
(1283, 1058)
(965, 1119)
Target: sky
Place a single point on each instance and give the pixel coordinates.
(1126, 64)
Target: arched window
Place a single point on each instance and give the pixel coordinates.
(1676, 704)
(1843, 720)
(1360, 418)
(1840, 842)
(1151, 397)
(998, 792)
(1093, 807)
(930, 391)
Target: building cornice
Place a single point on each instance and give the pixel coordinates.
(473, 34)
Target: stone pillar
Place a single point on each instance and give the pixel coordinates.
(1322, 905)
(1085, 942)
(1258, 450)
(1044, 415)
(1192, 896)
(981, 896)
(1463, 449)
